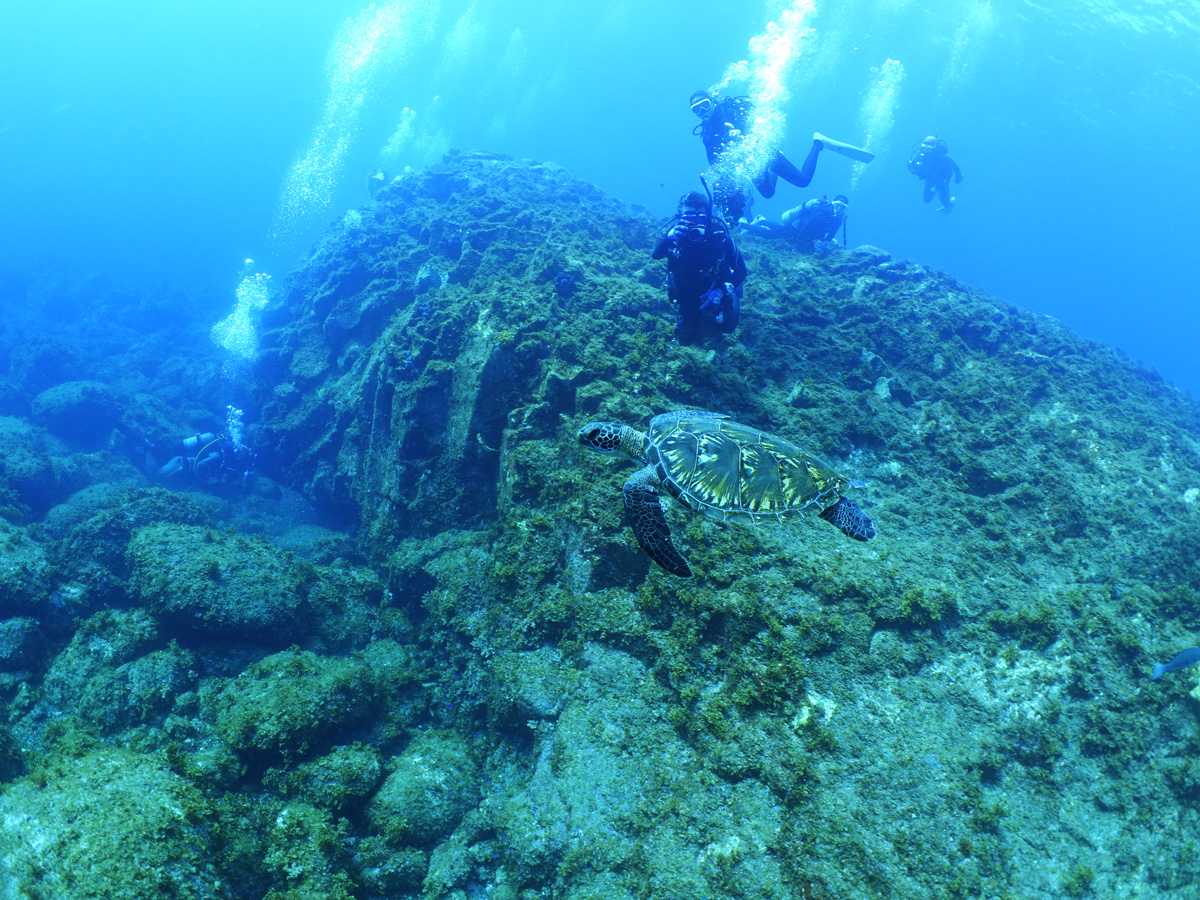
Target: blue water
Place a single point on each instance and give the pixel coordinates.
(158, 142)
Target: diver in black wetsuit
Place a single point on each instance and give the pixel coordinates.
(723, 124)
(930, 163)
(705, 270)
(808, 225)
(205, 459)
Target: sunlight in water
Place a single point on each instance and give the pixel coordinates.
(238, 331)
(378, 38)
(877, 114)
(969, 40)
(773, 56)
(418, 139)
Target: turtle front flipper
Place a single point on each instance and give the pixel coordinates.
(649, 524)
(848, 517)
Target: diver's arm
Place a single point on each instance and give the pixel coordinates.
(737, 266)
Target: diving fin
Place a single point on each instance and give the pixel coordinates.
(856, 153)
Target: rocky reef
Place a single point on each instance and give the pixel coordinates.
(428, 659)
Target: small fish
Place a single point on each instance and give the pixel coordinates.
(1182, 661)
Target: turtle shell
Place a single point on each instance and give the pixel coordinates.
(723, 469)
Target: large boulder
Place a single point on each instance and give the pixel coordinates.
(82, 412)
(293, 703)
(111, 825)
(218, 583)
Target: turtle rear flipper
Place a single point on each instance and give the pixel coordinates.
(650, 525)
(848, 517)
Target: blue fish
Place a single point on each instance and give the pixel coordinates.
(1182, 661)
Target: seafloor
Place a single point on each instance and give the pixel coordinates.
(420, 654)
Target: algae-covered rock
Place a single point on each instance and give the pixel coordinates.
(81, 411)
(432, 785)
(585, 816)
(28, 484)
(346, 603)
(218, 583)
(25, 572)
(867, 709)
(435, 376)
(383, 870)
(305, 852)
(118, 672)
(95, 528)
(44, 360)
(292, 703)
(21, 643)
(959, 708)
(537, 682)
(341, 777)
(110, 825)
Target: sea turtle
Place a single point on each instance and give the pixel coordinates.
(722, 469)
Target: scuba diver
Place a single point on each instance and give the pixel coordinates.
(705, 269)
(725, 122)
(204, 459)
(930, 163)
(809, 225)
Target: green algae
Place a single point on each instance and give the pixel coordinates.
(218, 582)
(292, 702)
(118, 672)
(109, 825)
(428, 790)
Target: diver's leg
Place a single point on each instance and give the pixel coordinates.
(765, 182)
(943, 190)
(767, 229)
(781, 167)
(928, 192)
(172, 467)
(785, 169)
(687, 329)
(805, 174)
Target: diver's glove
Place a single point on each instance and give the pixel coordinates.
(711, 301)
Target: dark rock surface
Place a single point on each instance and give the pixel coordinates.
(79, 411)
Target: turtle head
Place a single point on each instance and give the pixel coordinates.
(613, 437)
(603, 437)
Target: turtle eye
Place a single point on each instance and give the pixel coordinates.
(590, 436)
